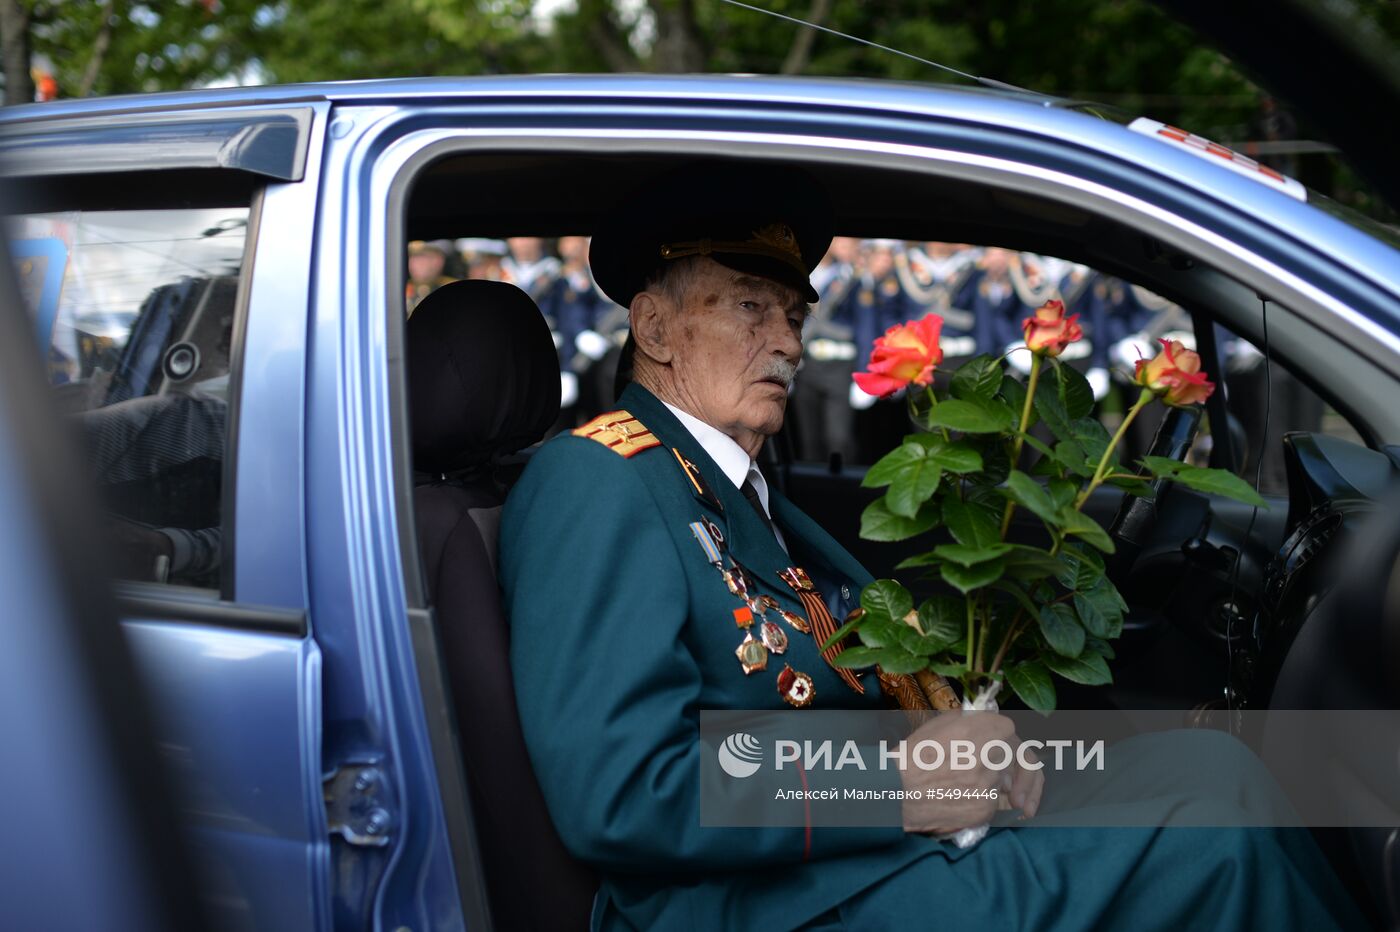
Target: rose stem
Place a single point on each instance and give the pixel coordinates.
(1100, 471)
(1020, 436)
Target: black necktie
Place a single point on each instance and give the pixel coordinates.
(752, 495)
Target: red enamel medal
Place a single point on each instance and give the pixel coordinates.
(795, 687)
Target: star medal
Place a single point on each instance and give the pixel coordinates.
(795, 688)
(774, 638)
(752, 654)
(796, 621)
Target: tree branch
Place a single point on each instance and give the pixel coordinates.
(14, 50)
(610, 38)
(800, 54)
(99, 49)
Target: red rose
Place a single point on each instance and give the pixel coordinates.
(1048, 331)
(1174, 375)
(906, 353)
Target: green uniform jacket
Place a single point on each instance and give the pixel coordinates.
(621, 632)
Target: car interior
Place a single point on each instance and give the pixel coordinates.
(1218, 591)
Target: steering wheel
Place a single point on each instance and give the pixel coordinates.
(1132, 527)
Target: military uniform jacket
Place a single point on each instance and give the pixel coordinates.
(621, 632)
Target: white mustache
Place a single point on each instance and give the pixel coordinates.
(780, 370)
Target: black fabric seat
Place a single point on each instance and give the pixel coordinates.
(483, 383)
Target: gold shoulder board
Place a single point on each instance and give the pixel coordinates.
(620, 432)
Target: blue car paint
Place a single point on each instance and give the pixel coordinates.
(237, 714)
(259, 719)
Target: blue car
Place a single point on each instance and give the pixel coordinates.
(217, 287)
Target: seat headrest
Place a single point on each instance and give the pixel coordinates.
(483, 377)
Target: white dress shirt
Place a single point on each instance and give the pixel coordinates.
(729, 457)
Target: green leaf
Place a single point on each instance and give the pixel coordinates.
(996, 462)
(1027, 493)
(1082, 568)
(893, 464)
(1105, 597)
(857, 657)
(1210, 481)
(972, 417)
(919, 560)
(956, 457)
(898, 662)
(966, 578)
(950, 669)
(1062, 492)
(972, 523)
(964, 555)
(890, 659)
(1035, 443)
(977, 379)
(886, 599)
(1134, 487)
(1014, 394)
(1052, 410)
(913, 642)
(853, 625)
(1075, 392)
(1070, 455)
(877, 522)
(879, 632)
(1032, 682)
(1096, 622)
(1088, 669)
(1100, 647)
(943, 619)
(1092, 438)
(1019, 594)
(912, 487)
(1029, 563)
(1083, 526)
(1061, 629)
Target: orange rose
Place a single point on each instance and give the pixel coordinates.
(906, 353)
(1048, 331)
(1175, 375)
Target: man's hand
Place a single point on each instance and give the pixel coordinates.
(940, 816)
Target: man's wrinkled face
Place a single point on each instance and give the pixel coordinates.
(736, 340)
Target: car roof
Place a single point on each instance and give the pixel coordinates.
(866, 92)
(1023, 113)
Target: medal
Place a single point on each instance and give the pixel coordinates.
(744, 618)
(752, 654)
(714, 530)
(707, 542)
(797, 578)
(796, 621)
(795, 688)
(774, 638)
(767, 602)
(734, 579)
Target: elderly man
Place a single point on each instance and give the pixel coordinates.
(622, 550)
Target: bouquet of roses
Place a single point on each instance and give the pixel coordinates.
(1021, 613)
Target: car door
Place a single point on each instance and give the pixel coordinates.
(164, 255)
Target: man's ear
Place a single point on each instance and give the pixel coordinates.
(649, 319)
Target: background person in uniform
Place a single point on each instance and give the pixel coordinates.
(528, 266)
(876, 302)
(426, 262)
(649, 572)
(821, 399)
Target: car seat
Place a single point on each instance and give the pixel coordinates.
(483, 383)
